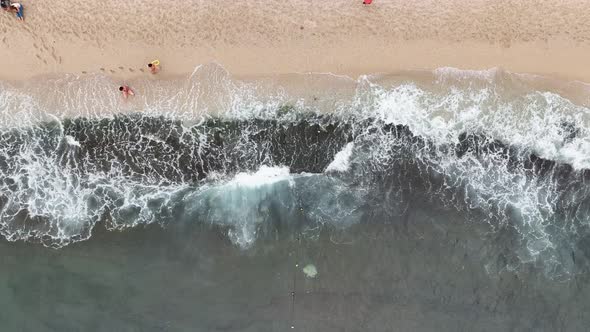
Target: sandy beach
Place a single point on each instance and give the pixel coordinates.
(288, 36)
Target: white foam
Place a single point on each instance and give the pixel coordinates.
(535, 122)
(341, 162)
(444, 73)
(72, 141)
(266, 175)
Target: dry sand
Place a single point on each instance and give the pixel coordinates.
(252, 38)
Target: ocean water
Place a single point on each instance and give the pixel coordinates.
(422, 201)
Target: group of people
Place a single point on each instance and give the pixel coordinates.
(18, 9)
(126, 91)
(14, 7)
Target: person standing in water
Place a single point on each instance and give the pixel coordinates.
(126, 91)
(154, 66)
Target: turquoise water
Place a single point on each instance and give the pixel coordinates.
(421, 274)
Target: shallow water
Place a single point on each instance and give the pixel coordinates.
(452, 200)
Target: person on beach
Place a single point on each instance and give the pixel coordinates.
(367, 2)
(18, 9)
(154, 66)
(126, 91)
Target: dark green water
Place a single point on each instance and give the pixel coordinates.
(422, 272)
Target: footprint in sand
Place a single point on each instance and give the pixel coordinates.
(102, 69)
(59, 60)
(35, 46)
(84, 72)
(131, 70)
(38, 56)
(112, 71)
(121, 68)
(141, 70)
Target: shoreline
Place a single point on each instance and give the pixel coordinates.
(211, 90)
(213, 79)
(274, 37)
(559, 61)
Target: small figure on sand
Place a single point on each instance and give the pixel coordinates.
(18, 9)
(367, 2)
(154, 66)
(126, 91)
(14, 7)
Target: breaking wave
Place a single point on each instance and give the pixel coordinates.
(261, 159)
